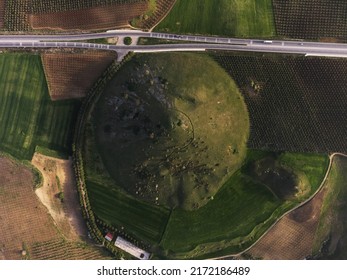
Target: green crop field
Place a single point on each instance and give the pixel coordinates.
(241, 18)
(27, 115)
(240, 212)
(138, 218)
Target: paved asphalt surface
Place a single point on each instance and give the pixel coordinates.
(191, 43)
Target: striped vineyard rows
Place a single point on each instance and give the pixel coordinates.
(17, 12)
(59, 249)
(307, 19)
(295, 104)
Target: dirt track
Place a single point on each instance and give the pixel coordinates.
(67, 214)
(288, 223)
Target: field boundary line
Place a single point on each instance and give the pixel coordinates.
(49, 87)
(163, 17)
(331, 158)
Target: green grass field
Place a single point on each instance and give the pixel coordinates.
(331, 235)
(240, 212)
(140, 219)
(240, 18)
(27, 115)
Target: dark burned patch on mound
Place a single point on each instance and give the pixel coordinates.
(171, 128)
(279, 179)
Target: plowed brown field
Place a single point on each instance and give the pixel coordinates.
(26, 224)
(72, 75)
(95, 18)
(292, 237)
(23, 218)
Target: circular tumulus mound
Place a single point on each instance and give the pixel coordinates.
(171, 128)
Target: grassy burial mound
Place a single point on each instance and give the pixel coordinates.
(307, 19)
(243, 18)
(296, 103)
(71, 75)
(159, 121)
(171, 129)
(28, 117)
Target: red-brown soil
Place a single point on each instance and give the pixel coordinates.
(95, 18)
(26, 223)
(292, 237)
(23, 218)
(71, 75)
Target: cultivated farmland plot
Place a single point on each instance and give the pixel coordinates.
(71, 75)
(292, 238)
(295, 104)
(93, 18)
(28, 15)
(2, 13)
(28, 117)
(307, 19)
(27, 231)
(243, 18)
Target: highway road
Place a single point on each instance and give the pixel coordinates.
(191, 43)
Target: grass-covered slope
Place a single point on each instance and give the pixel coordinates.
(171, 128)
(242, 210)
(27, 115)
(331, 235)
(241, 18)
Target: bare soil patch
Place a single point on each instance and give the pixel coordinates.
(292, 237)
(71, 75)
(94, 18)
(58, 177)
(26, 224)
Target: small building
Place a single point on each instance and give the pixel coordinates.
(109, 236)
(131, 249)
